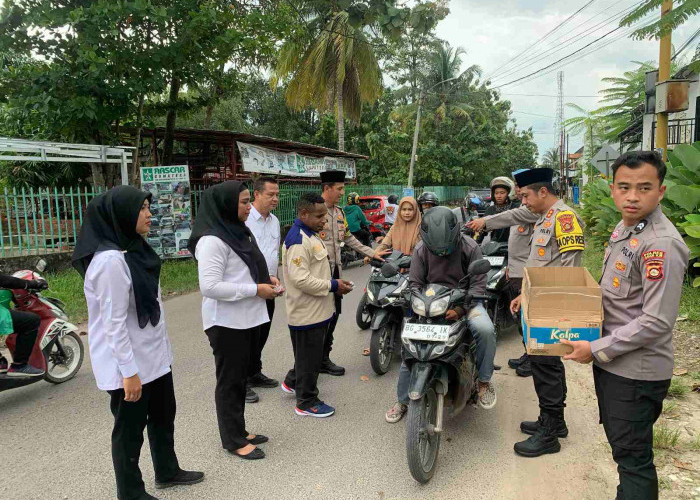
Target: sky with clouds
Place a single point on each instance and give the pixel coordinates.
(495, 31)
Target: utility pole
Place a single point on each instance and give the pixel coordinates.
(664, 75)
(415, 141)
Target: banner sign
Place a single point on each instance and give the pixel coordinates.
(267, 161)
(171, 223)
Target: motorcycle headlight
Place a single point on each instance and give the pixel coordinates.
(402, 287)
(439, 307)
(418, 306)
(370, 295)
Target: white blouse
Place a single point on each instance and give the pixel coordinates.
(229, 292)
(119, 348)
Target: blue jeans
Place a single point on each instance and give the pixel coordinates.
(485, 338)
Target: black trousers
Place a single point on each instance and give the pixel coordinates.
(308, 355)
(364, 236)
(257, 344)
(155, 411)
(231, 356)
(549, 376)
(328, 347)
(628, 409)
(26, 326)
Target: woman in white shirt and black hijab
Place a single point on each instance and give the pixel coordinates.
(129, 345)
(235, 283)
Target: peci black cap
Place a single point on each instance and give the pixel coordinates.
(332, 176)
(534, 176)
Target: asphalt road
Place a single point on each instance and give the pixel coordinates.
(55, 440)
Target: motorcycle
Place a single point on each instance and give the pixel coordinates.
(386, 306)
(58, 349)
(498, 303)
(440, 356)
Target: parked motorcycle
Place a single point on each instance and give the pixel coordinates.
(386, 306)
(58, 349)
(443, 368)
(498, 303)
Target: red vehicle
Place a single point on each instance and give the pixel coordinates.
(58, 349)
(373, 208)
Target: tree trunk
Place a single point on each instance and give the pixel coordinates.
(134, 177)
(207, 116)
(98, 178)
(340, 121)
(169, 139)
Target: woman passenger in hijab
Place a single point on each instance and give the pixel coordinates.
(235, 283)
(405, 233)
(129, 345)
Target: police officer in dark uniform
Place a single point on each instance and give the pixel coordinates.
(643, 271)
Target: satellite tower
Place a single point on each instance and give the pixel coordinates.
(559, 128)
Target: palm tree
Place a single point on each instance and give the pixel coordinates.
(336, 71)
(550, 159)
(590, 123)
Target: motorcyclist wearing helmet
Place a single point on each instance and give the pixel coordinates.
(358, 225)
(443, 257)
(427, 200)
(25, 324)
(391, 210)
(501, 189)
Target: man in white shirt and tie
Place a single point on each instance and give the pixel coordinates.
(266, 229)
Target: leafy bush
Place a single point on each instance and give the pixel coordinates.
(599, 211)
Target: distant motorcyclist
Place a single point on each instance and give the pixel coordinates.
(24, 324)
(358, 225)
(427, 200)
(442, 257)
(391, 210)
(501, 189)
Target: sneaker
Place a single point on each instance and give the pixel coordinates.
(516, 362)
(3, 364)
(260, 380)
(250, 395)
(285, 388)
(396, 412)
(487, 399)
(319, 410)
(25, 370)
(182, 477)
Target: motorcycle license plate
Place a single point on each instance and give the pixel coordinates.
(430, 333)
(495, 261)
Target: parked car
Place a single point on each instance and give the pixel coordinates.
(373, 208)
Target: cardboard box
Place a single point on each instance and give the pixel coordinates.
(559, 303)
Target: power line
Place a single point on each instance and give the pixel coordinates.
(549, 95)
(686, 44)
(543, 38)
(531, 114)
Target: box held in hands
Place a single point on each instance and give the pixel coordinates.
(559, 303)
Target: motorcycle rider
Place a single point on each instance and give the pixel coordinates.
(404, 235)
(25, 324)
(501, 189)
(427, 200)
(358, 225)
(391, 210)
(443, 256)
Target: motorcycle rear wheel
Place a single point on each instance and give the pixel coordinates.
(59, 372)
(363, 317)
(421, 446)
(380, 353)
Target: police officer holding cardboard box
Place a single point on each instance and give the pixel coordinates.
(643, 271)
(557, 241)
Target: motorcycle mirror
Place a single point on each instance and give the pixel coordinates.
(481, 266)
(40, 265)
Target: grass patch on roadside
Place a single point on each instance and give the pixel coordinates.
(678, 388)
(176, 277)
(670, 408)
(665, 438)
(694, 443)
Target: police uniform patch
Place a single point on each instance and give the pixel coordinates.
(620, 266)
(640, 227)
(616, 282)
(568, 232)
(521, 229)
(614, 234)
(297, 261)
(549, 214)
(547, 224)
(541, 252)
(341, 217)
(655, 269)
(634, 242)
(540, 241)
(322, 235)
(654, 254)
(566, 222)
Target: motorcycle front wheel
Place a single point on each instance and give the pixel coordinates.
(62, 364)
(380, 349)
(363, 317)
(422, 442)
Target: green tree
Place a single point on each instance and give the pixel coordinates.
(550, 159)
(681, 12)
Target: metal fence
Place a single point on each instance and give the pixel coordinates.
(48, 220)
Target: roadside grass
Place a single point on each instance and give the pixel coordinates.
(665, 483)
(670, 408)
(665, 438)
(694, 444)
(176, 277)
(678, 388)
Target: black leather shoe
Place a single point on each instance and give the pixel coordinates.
(544, 440)
(516, 362)
(256, 454)
(525, 369)
(258, 439)
(530, 427)
(183, 477)
(331, 368)
(250, 395)
(260, 380)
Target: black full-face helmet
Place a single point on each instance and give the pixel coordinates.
(439, 231)
(393, 199)
(428, 197)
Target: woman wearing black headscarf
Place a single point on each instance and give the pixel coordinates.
(129, 345)
(235, 283)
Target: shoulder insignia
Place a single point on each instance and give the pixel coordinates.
(654, 254)
(566, 222)
(640, 227)
(550, 213)
(655, 269)
(297, 261)
(568, 232)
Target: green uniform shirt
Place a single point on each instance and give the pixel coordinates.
(5, 318)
